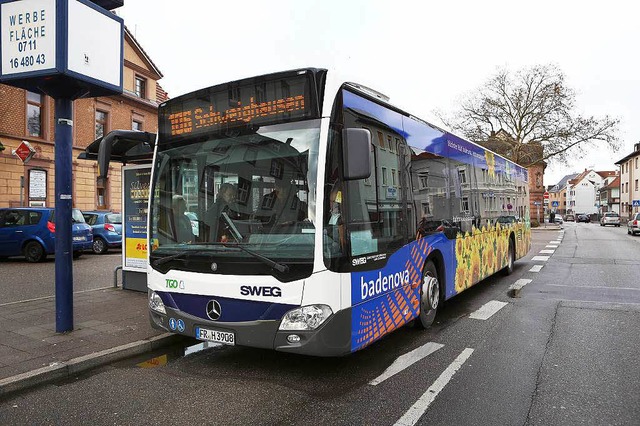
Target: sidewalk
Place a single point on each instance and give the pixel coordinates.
(547, 227)
(109, 324)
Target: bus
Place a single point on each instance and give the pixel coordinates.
(298, 212)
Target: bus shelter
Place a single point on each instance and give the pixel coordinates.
(134, 150)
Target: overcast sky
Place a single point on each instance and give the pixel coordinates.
(424, 55)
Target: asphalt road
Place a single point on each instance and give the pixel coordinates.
(23, 280)
(565, 352)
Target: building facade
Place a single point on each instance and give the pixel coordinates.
(582, 191)
(629, 185)
(609, 197)
(27, 116)
(558, 194)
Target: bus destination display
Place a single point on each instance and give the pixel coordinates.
(263, 103)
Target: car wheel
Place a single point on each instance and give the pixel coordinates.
(430, 295)
(34, 252)
(99, 246)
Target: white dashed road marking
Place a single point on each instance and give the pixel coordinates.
(519, 284)
(487, 310)
(536, 268)
(552, 246)
(406, 360)
(416, 411)
(547, 251)
(540, 258)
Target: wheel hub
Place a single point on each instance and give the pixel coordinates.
(430, 292)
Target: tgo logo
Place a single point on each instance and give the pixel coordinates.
(247, 290)
(174, 283)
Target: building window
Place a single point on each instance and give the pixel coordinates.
(464, 204)
(385, 179)
(394, 181)
(141, 87)
(34, 114)
(636, 184)
(102, 192)
(390, 143)
(423, 178)
(462, 176)
(136, 125)
(636, 163)
(426, 209)
(101, 123)
(381, 140)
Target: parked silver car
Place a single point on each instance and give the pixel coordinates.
(610, 218)
(633, 226)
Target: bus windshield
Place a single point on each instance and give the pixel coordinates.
(252, 188)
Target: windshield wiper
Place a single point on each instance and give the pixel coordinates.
(164, 260)
(275, 265)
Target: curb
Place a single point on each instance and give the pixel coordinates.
(74, 366)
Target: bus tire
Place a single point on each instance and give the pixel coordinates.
(508, 270)
(430, 295)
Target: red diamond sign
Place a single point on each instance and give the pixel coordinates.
(24, 151)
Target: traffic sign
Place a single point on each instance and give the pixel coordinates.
(536, 203)
(24, 151)
(555, 203)
(546, 195)
(636, 203)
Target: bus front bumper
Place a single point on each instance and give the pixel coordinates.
(332, 338)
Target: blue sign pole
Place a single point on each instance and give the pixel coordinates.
(63, 191)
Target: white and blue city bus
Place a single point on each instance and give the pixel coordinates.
(297, 213)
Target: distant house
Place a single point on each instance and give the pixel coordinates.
(629, 177)
(609, 197)
(558, 193)
(582, 191)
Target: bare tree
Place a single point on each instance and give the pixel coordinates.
(530, 116)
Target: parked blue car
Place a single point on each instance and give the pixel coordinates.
(30, 232)
(107, 230)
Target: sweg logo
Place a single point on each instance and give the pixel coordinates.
(247, 290)
(383, 284)
(174, 283)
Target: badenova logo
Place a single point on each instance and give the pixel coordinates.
(174, 283)
(382, 284)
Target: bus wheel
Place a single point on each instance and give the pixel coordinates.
(508, 270)
(429, 295)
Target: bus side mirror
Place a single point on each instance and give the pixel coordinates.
(356, 149)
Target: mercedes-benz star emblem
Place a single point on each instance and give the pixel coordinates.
(214, 310)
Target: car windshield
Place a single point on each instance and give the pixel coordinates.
(611, 214)
(255, 189)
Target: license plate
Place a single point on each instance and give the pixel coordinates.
(223, 337)
(79, 238)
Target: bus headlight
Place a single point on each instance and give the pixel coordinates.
(155, 303)
(306, 317)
